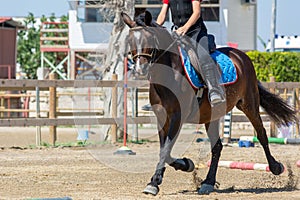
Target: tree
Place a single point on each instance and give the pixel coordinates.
(29, 55)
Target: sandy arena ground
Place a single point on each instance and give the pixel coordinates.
(93, 172)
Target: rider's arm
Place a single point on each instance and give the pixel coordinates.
(193, 19)
(162, 15)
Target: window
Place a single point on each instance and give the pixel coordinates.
(210, 10)
(94, 11)
(153, 6)
(148, 2)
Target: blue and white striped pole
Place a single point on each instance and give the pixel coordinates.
(227, 128)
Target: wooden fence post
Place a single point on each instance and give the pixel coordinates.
(2, 107)
(52, 110)
(38, 115)
(272, 124)
(114, 109)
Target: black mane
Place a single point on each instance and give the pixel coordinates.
(141, 18)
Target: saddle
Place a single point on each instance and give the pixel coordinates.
(192, 52)
(190, 62)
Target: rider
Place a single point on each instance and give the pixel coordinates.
(186, 17)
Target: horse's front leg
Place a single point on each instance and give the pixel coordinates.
(164, 157)
(212, 129)
(167, 135)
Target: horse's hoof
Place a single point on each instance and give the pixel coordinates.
(191, 165)
(205, 189)
(150, 189)
(278, 170)
(185, 164)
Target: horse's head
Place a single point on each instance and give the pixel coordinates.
(143, 41)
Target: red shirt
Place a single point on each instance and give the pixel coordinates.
(167, 1)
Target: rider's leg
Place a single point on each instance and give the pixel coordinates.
(209, 70)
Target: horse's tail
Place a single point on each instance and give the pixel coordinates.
(279, 111)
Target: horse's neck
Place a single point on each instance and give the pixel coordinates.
(170, 58)
(168, 54)
(166, 78)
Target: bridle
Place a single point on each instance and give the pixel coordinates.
(154, 55)
(149, 56)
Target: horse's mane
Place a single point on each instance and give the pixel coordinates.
(153, 27)
(140, 21)
(165, 40)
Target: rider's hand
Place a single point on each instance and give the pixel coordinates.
(181, 31)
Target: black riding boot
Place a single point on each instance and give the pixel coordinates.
(211, 77)
(210, 73)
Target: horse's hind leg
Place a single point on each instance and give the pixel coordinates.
(212, 129)
(252, 112)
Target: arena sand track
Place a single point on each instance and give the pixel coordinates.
(94, 173)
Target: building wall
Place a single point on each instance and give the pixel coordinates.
(7, 51)
(242, 25)
(237, 25)
(88, 36)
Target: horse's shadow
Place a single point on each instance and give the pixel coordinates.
(257, 190)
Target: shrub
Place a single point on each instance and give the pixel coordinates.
(284, 66)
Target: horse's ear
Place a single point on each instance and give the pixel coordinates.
(128, 20)
(148, 18)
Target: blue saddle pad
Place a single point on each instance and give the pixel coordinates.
(228, 70)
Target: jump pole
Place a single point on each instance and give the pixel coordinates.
(272, 140)
(124, 150)
(227, 128)
(242, 165)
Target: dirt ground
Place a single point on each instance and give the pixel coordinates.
(94, 172)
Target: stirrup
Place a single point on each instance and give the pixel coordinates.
(216, 99)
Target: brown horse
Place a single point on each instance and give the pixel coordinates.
(175, 102)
